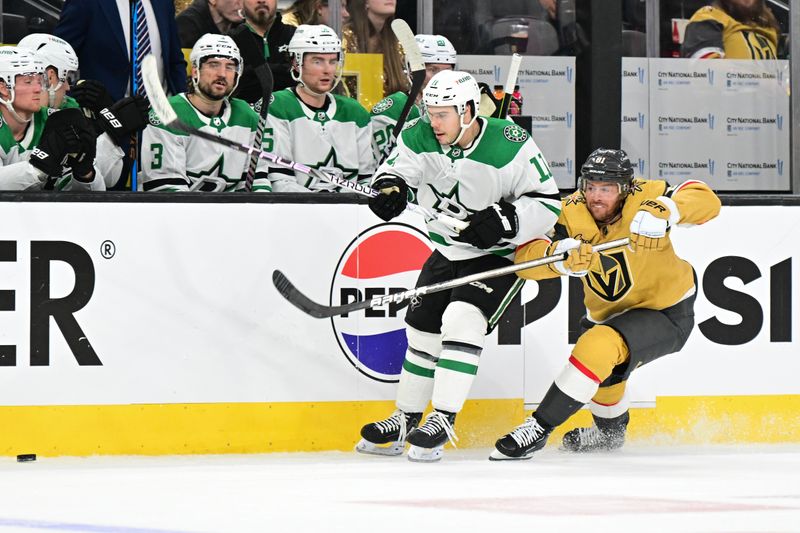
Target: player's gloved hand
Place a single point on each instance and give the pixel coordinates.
(580, 257)
(392, 199)
(92, 95)
(125, 117)
(60, 138)
(82, 163)
(489, 226)
(651, 223)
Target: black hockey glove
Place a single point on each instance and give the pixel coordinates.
(60, 138)
(92, 95)
(125, 117)
(82, 163)
(392, 199)
(488, 226)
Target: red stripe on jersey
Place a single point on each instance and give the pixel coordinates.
(605, 404)
(685, 183)
(585, 371)
(531, 242)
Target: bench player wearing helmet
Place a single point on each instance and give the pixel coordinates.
(172, 160)
(639, 300)
(438, 54)
(313, 126)
(490, 173)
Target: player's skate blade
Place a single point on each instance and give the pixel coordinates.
(425, 455)
(391, 449)
(497, 455)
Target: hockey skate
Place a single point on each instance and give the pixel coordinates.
(388, 437)
(522, 442)
(606, 434)
(427, 441)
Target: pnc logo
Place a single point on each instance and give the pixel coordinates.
(382, 260)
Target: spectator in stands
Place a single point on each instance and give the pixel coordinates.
(99, 31)
(173, 161)
(369, 31)
(732, 29)
(260, 40)
(40, 151)
(310, 125)
(207, 16)
(313, 12)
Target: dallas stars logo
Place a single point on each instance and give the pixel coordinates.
(450, 202)
(382, 106)
(515, 134)
(153, 118)
(216, 171)
(331, 161)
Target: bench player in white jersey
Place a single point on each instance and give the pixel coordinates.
(438, 54)
(175, 161)
(490, 173)
(39, 150)
(310, 125)
(118, 120)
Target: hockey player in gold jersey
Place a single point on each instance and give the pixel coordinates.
(639, 299)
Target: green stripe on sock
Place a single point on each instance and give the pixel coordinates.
(458, 366)
(418, 370)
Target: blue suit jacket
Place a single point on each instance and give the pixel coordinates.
(94, 30)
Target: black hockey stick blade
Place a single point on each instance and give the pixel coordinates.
(287, 289)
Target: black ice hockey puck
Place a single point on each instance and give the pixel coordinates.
(26, 457)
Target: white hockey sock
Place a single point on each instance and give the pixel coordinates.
(416, 382)
(612, 410)
(455, 373)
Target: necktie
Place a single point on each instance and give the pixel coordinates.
(141, 45)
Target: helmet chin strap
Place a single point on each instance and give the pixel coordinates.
(298, 77)
(10, 106)
(51, 94)
(464, 127)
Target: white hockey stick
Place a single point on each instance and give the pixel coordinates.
(163, 109)
(316, 310)
(511, 82)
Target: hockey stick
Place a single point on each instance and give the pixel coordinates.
(312, 308)
(264, 75)
(411, 50)
(167, 115)
(511, 81)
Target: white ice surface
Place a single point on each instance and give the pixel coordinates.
(639, 489)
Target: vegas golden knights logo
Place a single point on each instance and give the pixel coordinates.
(614, 282)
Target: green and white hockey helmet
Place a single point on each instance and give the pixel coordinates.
(436, 49)
(316, 38)
(15, 61)
(54, 52)
(214, 45)
(453, 88)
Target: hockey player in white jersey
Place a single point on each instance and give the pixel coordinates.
(39, 151)
(310, 125)
(438, 54)
(490, 173)
(175, 161)
(118, 120)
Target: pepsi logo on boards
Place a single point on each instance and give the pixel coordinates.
(383, 259)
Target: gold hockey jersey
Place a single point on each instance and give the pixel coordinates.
(650, 279)
(712, 33)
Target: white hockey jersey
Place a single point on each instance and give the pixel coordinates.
(16, 174)
(502, 163)
(174, 161)
(384, 117)
(335, 139)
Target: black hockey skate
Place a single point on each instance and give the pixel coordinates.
(427, 441)
(522, 442)
(388, 437)
(606, 434)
